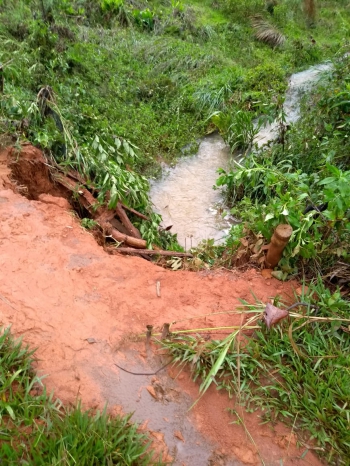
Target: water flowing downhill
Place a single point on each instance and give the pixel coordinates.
(185, 196)
(299, 83)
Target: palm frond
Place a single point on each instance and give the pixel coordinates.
(267, 33)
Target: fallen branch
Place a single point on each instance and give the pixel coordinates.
(84, 196)
(135, 212)
(121, 237)
(153, 252)
(101, 215)
(76, 176)
(126, 222)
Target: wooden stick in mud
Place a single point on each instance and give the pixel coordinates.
(102, 215)
(84, 195)
(154, 252)
(126, 222)
(76, 176)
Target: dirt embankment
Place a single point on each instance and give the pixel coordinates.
(82, 308)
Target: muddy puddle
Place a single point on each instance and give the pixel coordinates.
(186, 199)
(159, 399)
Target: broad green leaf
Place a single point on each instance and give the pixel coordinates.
(328, 180)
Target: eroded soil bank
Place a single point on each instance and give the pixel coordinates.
(83, 310)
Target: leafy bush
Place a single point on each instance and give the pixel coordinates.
(277, 185)
(266, 77)
(116, 9)
(144, 18)
(243, 8)
(237, 128)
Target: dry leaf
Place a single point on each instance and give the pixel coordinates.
(257, 246)
(272, 315)
(244, 242)
(266, 273)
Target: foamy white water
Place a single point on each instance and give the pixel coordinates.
(299, 84)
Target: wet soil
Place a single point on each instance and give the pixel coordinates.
(84, 311)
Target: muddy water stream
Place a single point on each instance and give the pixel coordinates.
(185, 197)
(299, 84)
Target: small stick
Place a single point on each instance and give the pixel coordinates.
(148, 338)
(144, 373)
(149, 332)
(158, 288)
(7, 302)
(133, 231)
(138, 214)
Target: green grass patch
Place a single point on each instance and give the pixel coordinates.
(141, 84)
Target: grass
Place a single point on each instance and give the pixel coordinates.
(37, 429)
(297, 372)
(152, 77)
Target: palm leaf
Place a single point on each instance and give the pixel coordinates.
(267, 33)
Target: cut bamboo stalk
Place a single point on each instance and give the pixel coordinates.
(279, 241)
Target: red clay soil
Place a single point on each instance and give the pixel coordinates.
(59, 288)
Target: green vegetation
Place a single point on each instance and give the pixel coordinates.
(36, 429)
(297, 371)
(161, 73)
(135, 81)
(88, 223)
(310, 168)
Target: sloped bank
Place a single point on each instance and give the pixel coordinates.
(84, 310)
